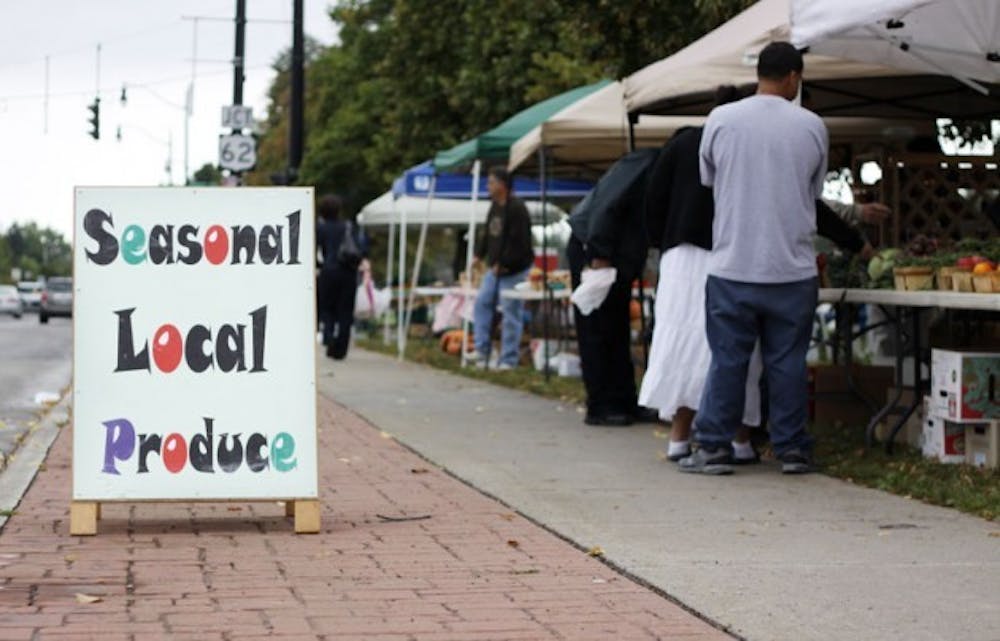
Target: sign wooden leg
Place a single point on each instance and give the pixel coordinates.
(306, 517)
(289, 508)
(83, 517)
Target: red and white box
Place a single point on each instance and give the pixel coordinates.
(944, 440)
(964, 385)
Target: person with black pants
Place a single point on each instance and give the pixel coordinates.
(338, 276)
(608, 231)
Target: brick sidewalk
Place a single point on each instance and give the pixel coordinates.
(472, 570)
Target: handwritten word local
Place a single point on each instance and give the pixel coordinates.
(169, 244)
(120, 445)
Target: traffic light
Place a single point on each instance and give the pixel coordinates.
(95, 119)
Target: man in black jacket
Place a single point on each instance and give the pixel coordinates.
(505, 247)
(608, 231)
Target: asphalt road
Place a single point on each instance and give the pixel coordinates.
(35, 359)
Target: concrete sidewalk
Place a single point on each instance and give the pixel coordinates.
(767, 556)
(406, 553)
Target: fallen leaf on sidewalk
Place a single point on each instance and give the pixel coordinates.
(662, 455)
(3, 425)
(532, 571)
(658, 433)
(995, 535)
(344, 460)
(480, 409)
(399, 519)
(514, 544)
(595, 551)
(420, 470)
(598, 581)
(508, 517)
(70, 558)
(87, 598)
(385, 434)
(234, 508)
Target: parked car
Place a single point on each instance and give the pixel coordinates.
(31, 293)
(10, 301)
(57, 298)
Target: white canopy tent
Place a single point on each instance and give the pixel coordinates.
(845, 74)
(405, 211)
(593, 132)
(385, 210)
(959, 38)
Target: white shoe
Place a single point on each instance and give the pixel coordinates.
(504, 367)
(474, 357)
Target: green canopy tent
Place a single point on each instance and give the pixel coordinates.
(495, 145)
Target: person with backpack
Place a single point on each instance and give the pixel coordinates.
(342, 250)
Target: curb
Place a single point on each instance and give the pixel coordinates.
(19, 468)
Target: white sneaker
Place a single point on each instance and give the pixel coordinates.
(504, 367)
(475, 358)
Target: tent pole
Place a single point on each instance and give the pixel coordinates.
(545, 262)
(400, 338)
(632, 119)
(469, 250)
(418, 259)
(386, 335)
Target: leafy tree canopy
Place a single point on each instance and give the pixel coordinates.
(411, 77)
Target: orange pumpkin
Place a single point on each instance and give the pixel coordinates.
(451, 341)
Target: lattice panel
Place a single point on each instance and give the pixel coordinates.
(945, 197)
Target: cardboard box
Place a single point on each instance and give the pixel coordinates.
(964, 385)
(944, 440)
(831, 402)
(982, 444)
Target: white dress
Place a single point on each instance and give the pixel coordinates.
(679, 356)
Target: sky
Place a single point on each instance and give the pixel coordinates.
(147, 46)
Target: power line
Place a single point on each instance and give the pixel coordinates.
(143, 85)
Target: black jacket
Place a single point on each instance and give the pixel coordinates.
(609, 221)
(506, 239)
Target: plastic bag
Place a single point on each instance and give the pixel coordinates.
(370, 302)
(594, 287)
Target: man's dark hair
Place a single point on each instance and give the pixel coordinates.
(329, 206)
(501, 174)
(777, 60)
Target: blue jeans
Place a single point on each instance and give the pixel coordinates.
(482, 316)
(736, 316)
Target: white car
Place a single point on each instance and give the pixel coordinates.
(31, 293)
(10, 301)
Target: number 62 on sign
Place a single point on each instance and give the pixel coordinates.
(237, 152)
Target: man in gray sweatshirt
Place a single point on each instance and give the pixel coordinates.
(765, 159)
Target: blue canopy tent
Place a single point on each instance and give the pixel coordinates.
(423, 181)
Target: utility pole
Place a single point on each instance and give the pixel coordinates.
(189, 96)
(296, 120)
(46, 127)
(238, 58)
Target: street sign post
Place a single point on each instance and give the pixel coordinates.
(237, 152)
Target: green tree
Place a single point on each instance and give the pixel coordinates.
(207, 174)
(36, 251)
(410, 77)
